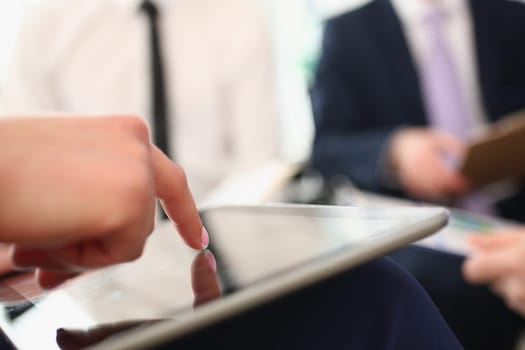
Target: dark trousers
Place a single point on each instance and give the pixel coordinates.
(477, 316)
(375, 306)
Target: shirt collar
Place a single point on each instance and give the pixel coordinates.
(134, 5)
(414, 11)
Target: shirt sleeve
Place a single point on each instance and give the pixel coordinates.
(29, 85)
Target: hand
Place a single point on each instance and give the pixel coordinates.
(79, 193)
(499, 261)
(419, 156)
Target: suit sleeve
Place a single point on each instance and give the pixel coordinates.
(346, 140)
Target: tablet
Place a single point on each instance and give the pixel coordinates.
(451, 239)
(257, 254)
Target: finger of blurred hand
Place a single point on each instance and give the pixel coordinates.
(495, 240)
(5, 259)
(420, 156)
(425, 182)
(51, 279)
(25, 258)
(485, 267)
(447, 181)
(449, 144)
(177, 201)
(512, 290)
(79, 256)
(435, 182)
(204, 280)
(453, 184)
(452, 151)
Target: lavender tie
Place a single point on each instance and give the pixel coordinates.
(444, 99)
(445, 103)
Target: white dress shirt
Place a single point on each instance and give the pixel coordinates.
(458, 32)
(92, 57)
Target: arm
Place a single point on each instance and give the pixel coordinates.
(363, 132)
(345, 142)
(88, 186)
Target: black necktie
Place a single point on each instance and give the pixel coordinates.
(158, 89)
(159, 106)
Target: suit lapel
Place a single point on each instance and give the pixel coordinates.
(394, 52)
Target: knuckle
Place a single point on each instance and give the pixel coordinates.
(179, 176)
(519, 296)
(136, 126)
(126, 247)
(179, 171)
(132, 254)
(140, 152)
(511, 265)
(132, 200)
(129, 203)
(132, 195)
(513, 300)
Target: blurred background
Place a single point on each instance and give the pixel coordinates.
(242, 84)
(296, 33)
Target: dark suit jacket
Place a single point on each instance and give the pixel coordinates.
(366, 85)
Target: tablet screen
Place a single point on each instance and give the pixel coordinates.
(250, 246)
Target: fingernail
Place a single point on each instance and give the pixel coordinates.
(205, 238)
(211, 260)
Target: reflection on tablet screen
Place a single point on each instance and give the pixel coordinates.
(170, 281)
